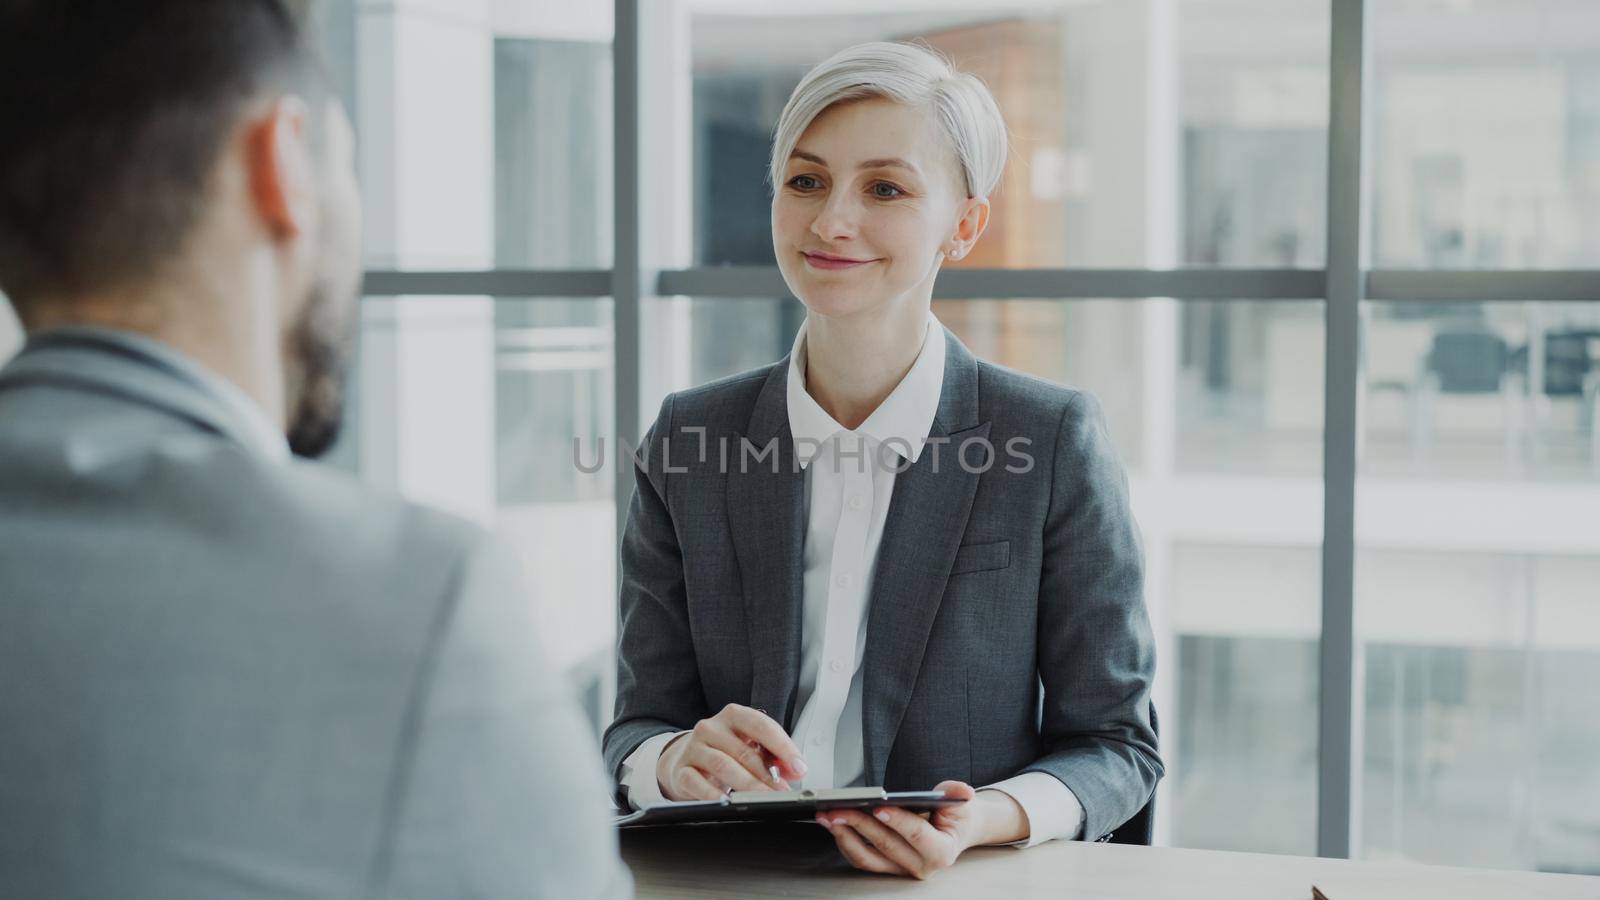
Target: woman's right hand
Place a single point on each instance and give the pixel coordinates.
(731, 750)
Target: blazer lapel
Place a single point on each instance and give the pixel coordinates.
(766, 509)
(927, 518)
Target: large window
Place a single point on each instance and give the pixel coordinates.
(1357, 392)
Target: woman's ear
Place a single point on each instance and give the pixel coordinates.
(974, 219)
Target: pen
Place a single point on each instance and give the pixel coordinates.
(777, 780)
(772, 765)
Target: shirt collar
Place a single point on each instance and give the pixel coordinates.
(260, 434)
(901, 422)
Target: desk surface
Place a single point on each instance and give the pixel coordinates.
(800, 861)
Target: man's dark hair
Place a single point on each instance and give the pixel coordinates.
(114, 114)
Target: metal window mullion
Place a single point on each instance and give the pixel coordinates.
(1433, 286)
(1339, 716)
(1404, 285)
(966, 284)
(519, 283)
(627, 287)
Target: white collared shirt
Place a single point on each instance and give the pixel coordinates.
(849, 480)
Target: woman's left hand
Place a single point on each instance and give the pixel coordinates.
(893, 841)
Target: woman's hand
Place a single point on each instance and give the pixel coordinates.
(732, 750)
(893, 841)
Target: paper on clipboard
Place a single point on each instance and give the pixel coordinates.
(780, 806)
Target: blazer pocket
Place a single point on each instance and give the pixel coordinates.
(982, 557)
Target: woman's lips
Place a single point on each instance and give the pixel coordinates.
(823, 261)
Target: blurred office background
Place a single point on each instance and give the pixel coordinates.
(1146, 135)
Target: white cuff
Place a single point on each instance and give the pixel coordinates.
(1052, 808)
(639, 771)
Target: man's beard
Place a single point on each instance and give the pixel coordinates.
(319, 351)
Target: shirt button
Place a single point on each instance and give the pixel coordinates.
(816, 740)
(857, 501)
(842, 581)
(837, 665)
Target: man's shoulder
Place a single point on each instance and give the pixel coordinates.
(375, 527)
(346, 545)
(109, 465)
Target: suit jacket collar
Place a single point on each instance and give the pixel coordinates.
(927, 518)
(144, 371)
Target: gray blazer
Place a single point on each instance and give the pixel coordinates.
(223, 676)
(1007, 631)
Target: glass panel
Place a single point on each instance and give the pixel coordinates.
(1449, 391)
(1120, 116)
(1250, 388)
(554, 395)
(1247, 619)
(1228, 498)
(1487, 133)
(1254, 118)
(474, 404)
(1482, 724)
(484, 132)
(1478, 553)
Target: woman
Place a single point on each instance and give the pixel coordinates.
(881, 561)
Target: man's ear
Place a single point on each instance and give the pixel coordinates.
(974, 219)
(282, 171)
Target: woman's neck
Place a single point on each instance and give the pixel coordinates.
(854, 364)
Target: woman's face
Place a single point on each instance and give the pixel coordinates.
(871, 199)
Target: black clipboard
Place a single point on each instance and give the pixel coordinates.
(780, 806)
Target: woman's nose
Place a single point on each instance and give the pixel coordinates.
(837, 219)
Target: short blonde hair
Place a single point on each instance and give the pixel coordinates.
(913, 74)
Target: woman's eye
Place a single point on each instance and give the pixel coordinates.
(886, 191)
(804, 183)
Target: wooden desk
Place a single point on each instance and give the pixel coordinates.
(800, 861)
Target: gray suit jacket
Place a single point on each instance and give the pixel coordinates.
(224, 676)
(1007, 630)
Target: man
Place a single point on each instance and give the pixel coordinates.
(225, 672)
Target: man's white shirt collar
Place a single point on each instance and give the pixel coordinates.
(902, 422)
